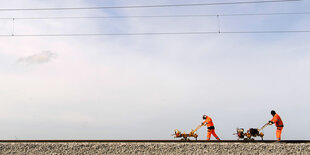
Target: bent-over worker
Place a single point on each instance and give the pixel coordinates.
(208, 122)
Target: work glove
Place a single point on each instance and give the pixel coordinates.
(202, 124)
(270, 122)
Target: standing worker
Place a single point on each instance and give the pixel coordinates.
(208, 122)
(278, 123)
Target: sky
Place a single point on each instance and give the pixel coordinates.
(145, 87)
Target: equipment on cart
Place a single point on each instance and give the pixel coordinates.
(252, 132)
(184, 136)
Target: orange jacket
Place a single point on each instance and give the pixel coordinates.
(277, 120)
(208, 121)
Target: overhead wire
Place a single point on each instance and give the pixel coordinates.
(155, 33)
(147, 6)
(155, 16)
(163, 16)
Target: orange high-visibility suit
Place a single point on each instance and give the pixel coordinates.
(211, 128)
(279, 124)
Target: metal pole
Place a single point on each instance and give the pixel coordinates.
(13, 26)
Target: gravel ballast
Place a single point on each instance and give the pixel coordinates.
(152, 148)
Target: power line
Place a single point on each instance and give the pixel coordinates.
(162, 16)
(102, 17)
(154, 33)
(149, 6)
(266, 32)
(267, 14)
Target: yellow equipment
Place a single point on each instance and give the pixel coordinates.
(185, 136)
(252, 132)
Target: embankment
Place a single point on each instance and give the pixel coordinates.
(153, 148)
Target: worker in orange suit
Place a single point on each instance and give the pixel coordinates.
(208, 122)
(278, 123)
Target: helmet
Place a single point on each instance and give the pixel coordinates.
(204, 116)
(273, 112)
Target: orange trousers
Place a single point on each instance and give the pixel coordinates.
(278, 133)
(211, 131)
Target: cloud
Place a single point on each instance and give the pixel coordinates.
(39, 58)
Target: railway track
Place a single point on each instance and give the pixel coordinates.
(151, 141)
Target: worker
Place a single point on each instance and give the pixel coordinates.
(208, 122)
(278, 123)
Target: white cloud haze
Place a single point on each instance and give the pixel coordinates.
(43, 57)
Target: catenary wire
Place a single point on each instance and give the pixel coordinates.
(147, 6)
(156, 33)
(163, 16)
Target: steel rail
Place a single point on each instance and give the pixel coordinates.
(152, 141)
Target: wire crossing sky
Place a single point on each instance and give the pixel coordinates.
(152, 34)
(149, 6)
(166, 16)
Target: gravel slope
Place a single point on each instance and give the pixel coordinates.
(153, 148)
